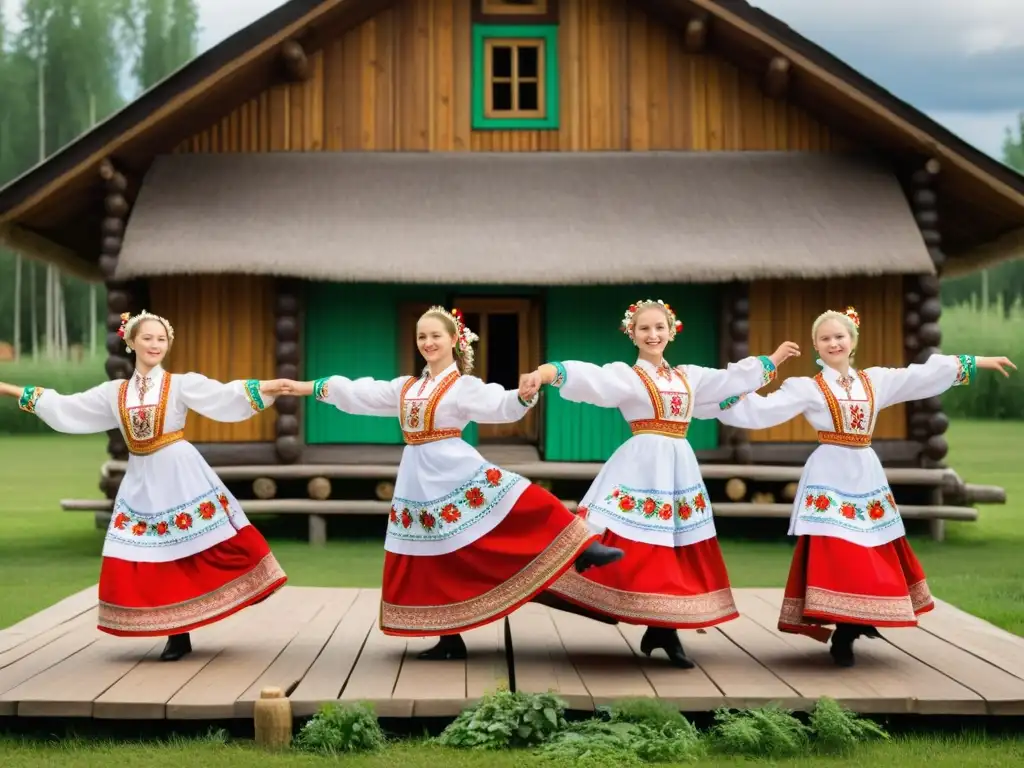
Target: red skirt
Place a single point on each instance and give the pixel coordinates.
(486, 580)
(676, 587)
(158, 599)
(834, 581)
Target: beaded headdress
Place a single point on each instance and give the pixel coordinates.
(463, 336)
(852, 314)
(675, 326)
(128, 322)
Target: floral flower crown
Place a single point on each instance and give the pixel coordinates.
(128, 322)
(463, 336)
(675, 326)
(853, 315)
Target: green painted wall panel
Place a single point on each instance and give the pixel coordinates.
(582, 323)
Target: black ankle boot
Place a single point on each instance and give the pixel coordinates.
(842, 642)
(449, 648)
(668, 640)
(596, 555)
(177, 646)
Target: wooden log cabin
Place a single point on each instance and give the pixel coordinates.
(296, 196)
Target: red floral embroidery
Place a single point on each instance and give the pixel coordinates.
(822, 502)
(121, 521)
(427, 520)
(627, 503)
(665, 513)
(875, 509)
(891, 500)
(414, 415)
(393, 515)
(857, 418)
(139, 528)
(207, 510)
(162, 528)
(809, 501)
(475, 497)
(650, 506)
(676, 405)
(224, 503)
(450, 514)
(615, 493)
(183, 521)
(493, 476)
(685, 510)
(848, 511)
(699, 502)
(406, 518)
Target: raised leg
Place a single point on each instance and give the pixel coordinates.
(596, 555)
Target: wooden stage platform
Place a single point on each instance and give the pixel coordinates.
(323, 644)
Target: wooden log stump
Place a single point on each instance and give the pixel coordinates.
(923, 308)
(272, 719)
(288, 426)
(385, 490)
(735, 489)
(264, 488)
(319, 488)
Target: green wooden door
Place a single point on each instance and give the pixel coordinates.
(582, 323)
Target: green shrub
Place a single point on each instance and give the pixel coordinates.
(504, 719)
(339, 729)
(768, 731)
(837, 729)
(66, 378)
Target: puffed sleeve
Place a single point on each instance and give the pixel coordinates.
(753, 411)
(713, 385)
(361, 397)
(233, 401)
(606, 386)
(491, 403)
(84, 413)
(921, 381)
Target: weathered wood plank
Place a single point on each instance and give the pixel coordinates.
(976, 636)
(541, 661)
(263, 632)
(376, 673)
(689, 690)
(603, 659)
(885, 668)
(426, 690)
(49, 618)
(326, 678)
(294, 662)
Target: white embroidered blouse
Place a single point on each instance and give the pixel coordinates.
(650, 490)
(170, 503)
(446, 494)
(844, 491)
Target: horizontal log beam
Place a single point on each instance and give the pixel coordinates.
(295, 61)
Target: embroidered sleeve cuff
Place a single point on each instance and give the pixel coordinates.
(768, 370)
(253, 394)
(320, 388)
(531, 402)
(967, 370)
(29, 397)
(729, 402)
(559, 375)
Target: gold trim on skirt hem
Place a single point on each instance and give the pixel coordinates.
(861, 608)
(644, 607)
(191, 612)
(523, 585)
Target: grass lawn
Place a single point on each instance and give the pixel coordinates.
(47, 554)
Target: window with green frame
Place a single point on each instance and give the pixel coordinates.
(515, 76)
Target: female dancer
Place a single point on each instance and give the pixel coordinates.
(649, 497)
(179, 552)
(467, 542)
(853, 566)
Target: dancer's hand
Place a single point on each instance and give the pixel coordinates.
(785, 351)
(530, 384)
(272, 387)
(995, 364)
(10, 390)
(298, 388)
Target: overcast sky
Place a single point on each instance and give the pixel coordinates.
(959, 61)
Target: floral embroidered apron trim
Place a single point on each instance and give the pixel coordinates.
(441, 519)
(427, 619)
(862, 512)
(183, 523)
(655, 510)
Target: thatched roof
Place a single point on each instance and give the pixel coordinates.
(532, 218)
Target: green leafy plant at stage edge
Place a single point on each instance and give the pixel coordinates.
(505, 719)
(645, 731)
(339, 729)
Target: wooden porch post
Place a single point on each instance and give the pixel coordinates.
(735, 345)
(286, 356)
